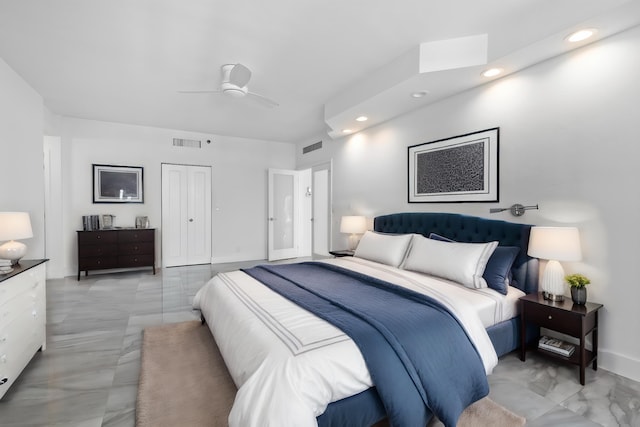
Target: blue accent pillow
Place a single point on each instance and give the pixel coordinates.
(497, 273)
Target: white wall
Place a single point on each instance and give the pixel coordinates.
(568, 141)
(21, 172)
(239, 172)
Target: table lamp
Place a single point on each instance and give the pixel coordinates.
(14, 226)
(353, 225)
(554, 244)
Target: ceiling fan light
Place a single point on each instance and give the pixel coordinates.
(234, 93)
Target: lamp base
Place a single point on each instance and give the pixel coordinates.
(552, 297)
(353, 242)
(13, 251)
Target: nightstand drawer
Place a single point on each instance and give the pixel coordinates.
(556, 319)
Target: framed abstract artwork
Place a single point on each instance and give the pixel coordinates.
(462, 168)
(117, 184)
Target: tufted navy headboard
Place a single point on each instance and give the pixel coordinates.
(471, 229)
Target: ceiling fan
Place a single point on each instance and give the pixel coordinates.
(235, 78)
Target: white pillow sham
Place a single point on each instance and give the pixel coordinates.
(460, 262)
(389, 249)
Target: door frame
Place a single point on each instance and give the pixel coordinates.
(286, 253)
(329, 167)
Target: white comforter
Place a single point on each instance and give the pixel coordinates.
(287, 363)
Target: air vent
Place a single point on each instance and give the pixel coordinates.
(312, 147)
(193, 143)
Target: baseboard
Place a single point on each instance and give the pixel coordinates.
(237, 258)
(619, 364)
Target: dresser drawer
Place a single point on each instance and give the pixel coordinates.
(135, 260)
(558, 320)
(27, 302)
(94, 237)
(98, 263)
(29, 284)
(136, 236)
(136, 248)
(98, 250)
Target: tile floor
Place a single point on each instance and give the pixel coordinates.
(88, 375)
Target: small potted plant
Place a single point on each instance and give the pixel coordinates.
(578, 283)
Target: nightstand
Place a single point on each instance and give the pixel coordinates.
(565, 317)
(345, 252)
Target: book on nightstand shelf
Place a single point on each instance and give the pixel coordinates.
(556, 345)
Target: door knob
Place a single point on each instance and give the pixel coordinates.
(272, 219)
(190, 219)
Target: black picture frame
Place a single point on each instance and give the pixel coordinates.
(463, 168)
(118, 184)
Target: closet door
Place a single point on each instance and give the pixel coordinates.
(186, 215)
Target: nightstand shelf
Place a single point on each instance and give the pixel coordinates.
(565, 317)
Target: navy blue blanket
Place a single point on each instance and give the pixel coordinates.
(417, 353)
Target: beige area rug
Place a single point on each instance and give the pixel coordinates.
(184, 382)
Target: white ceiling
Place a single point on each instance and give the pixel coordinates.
(125, 60)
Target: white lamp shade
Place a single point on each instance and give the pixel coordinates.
(555, 243)
(15, 226)
(353, 224)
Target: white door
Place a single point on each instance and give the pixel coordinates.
(321, 199)
(186, 215)
(283, 214)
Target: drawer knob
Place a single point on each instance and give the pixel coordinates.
(550, 317)
(98, 236)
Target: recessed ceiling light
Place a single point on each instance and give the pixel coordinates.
(419, 94)
(492, 72)
(362, 119)
(346, 131)
(580, 35)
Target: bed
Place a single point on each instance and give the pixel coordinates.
(294, 368)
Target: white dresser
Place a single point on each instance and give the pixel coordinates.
(22, 318)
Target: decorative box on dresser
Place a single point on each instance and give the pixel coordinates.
(23, 307)
(117, 248)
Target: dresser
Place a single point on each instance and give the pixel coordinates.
(23, 316)
(117, 248)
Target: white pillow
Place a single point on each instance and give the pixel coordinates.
(387, 249)
(461, 262)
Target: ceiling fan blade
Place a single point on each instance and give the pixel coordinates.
(199, 91)
(263, 100)
(239, 75)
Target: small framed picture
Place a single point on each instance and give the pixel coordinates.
(107, 222)
(142, 222)
(117, 184)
